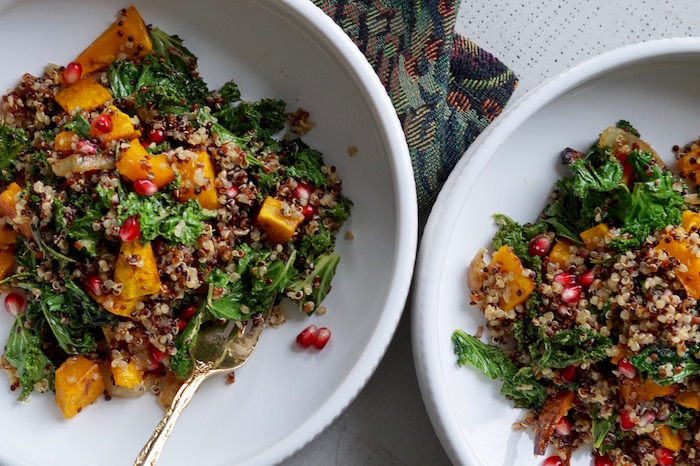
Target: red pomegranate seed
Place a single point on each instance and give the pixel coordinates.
(664, 456)
(86, 147)
(307, 336)
(155, 136)
(302, 191)
(308, 210)
(626, 368)
(571, 294)
(322, 338)
(646, 418)
(232, 192)
(601, 460)
(539, 245)
(94, 284)
(102, 124)
(15, 304)
(145, 187)
(565, 278)
(587, 278)
(188, 312)
(563, 427)
(130, 230)
(552, 461)
(626, 423)
(72, 72)
(157, 357)
(181, 324)
(569, 373)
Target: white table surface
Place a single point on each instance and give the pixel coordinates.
(387, 423)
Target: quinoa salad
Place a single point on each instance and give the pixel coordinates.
(591, 311)
(137, 204)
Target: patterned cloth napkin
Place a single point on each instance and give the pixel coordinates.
(445, 88)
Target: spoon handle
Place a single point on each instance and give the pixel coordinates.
(151, 451)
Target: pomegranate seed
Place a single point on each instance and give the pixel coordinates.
(308, 210)
(569, 373)
(307, 336)
(322, 338)
(155, 136)
(102, 124)
(648, 417)
(72, 72)
(130, 230)
(626, 423)
(86, 147)
(664, 456)
(626, 368)
(600, 460)
(145, 187)
(94, 284)
(565, 278)
(157, 357)
(188, 312)
(232, 192)
(571, 294)
(302, 191)
(15, 304)
(552, 461)
(181, 324)
(539, 245)
(587, 278)
(563, 427)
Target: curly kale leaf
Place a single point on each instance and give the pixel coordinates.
(24, 351)
(627, 126)
(649, 366)
(230, 92)
(264, 117)
(681, 418)
(576, 345)
(181, 361)
(303, 163)
(317, 278)
(519, 383)
(89, 211)
(341, 210)
(13, 141)
(601, 428)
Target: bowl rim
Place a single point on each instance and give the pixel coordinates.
(424, 329)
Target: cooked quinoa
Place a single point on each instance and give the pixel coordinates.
(592, 311)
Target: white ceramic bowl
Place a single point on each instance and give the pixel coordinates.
(511, 169)
(284, 396)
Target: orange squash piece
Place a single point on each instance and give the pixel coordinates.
(8, 203)
(63, 142)
(137, 164)
(8, 236)
(681, 250)
(78, 383)
(137, 280)
(561, 255)
(635, 391)
(86, 93)
(518, 286)
(198, 173)
(690, 219)
(689, 399)
(594, 237)
(116, 304)
(689, 164)
(279, 225)
(127, 377)
(128, 35)
(669, 439)
(7, 263)
(122, 128)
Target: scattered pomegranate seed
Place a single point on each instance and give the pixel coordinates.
(322, 338)
(626, 422)
(102, 124)
(232, 192)
(15, 304)
(600, 460)
(626, 368)
(155, 136)
(130, 230)
(587, 278)
(188, 312)
(302, 191)
(181, 324)
(565, 278)
(646, 418)
(308, 210)
(571, 294)
(145, 187)
(157, 357)
(664, 456)
(86, 147)
(72, 72)
(569, 373)
(94, 284)
(307, 337)
(563, 427)
(539, 245)
(552, 461)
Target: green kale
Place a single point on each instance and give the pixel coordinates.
(24, 351)
(598, 171)
(321, 241)
(681, 418)
(233, 303)
(89, 211)
(230, 92)
(303, 163)
(317, 278)
(518, 237)
(207, 120)
(64, 317)
(601, 428)
(627, 126)
(172, 51)
(341, 210)
(264, 117)
(79, 125)
(13, 141)
(686, 365)
(519, 383)
(181, 361)
(269, 277)
(576, 345)
(563, 214)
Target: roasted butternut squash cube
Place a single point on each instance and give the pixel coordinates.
(122, 127)
(116, 304)
(689, 399)
(690, 219)
(561, 254)
(519, 286)
(78, 383)
(7, 263)
(594, 238)
(141, 278)
(683, 251)
(668, 438)
(127, 377)
(635, 391)
(8, 203)
(278, 219)
(197, 178)
(86, 93)
(128, 35)
(136, 163)
(63, 142)
(8, 236)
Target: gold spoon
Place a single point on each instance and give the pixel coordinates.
(218, 348)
